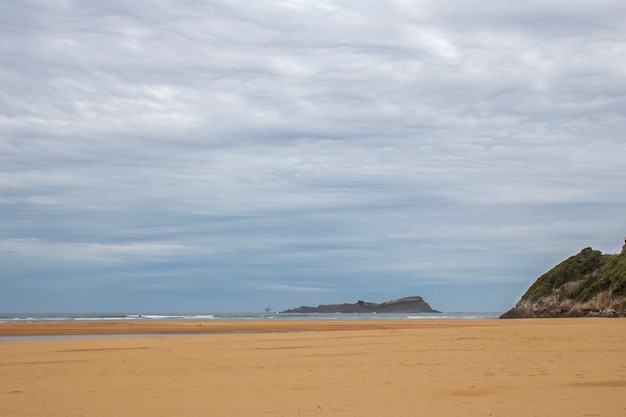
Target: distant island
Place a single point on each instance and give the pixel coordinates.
(414, 304)
(588, 284)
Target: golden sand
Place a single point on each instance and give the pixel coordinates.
(562, 367)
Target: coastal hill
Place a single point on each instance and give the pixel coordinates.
(588, 284)
(403, 305)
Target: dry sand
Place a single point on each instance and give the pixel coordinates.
(563, 367)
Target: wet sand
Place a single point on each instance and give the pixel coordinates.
(563, 367)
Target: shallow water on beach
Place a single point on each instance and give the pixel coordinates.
(208, 318)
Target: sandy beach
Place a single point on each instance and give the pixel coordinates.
(562, 367)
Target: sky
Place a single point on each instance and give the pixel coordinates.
(222, 155)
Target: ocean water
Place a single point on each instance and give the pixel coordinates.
(94, 317)
(86, 317)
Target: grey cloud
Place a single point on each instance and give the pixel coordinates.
(290, 145)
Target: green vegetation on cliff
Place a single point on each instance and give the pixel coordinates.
(589, 271)
(588, 284)
(611, 276)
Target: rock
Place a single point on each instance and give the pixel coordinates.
(414, 304)
(588, 284)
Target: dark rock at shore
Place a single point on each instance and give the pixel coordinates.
(403, 305)
(589, 284)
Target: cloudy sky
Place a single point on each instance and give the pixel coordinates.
(222, 155)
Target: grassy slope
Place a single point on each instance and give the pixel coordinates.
(593, 272)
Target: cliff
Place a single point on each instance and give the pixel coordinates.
(588, 284)
(402, 305)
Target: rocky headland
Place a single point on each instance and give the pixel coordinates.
(414, 304)
(588, 284)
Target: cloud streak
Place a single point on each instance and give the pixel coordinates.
(234, 150)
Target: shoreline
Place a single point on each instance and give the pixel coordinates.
(211, 327)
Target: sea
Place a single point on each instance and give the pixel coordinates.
(89, 317)
(102, 317)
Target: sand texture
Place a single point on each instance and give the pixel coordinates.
(550, 367)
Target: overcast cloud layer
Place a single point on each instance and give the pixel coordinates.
(222, 155)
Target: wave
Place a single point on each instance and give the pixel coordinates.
(100, 317)
(455, 316)
(57, 317)
(174, 317)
